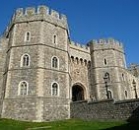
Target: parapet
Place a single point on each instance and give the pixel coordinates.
(40, 10)
(80, 46)
(41, 13)
(102, 44)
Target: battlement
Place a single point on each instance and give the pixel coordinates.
(41, 13)
(40, 10)
(80, 46)
(106, 44)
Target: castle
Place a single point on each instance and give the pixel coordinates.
(42, 70)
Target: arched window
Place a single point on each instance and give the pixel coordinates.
(25, 60)
(77, 60)
(55, 62)
(23, 88)
(85, 62)
(54, 91)
(27, 36)
(72, 58)
(81, 60)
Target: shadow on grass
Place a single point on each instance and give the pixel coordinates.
(132, 121)
(128, 126)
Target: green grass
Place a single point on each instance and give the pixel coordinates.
(72, 124)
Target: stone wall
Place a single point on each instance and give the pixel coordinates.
(19, 108)
(3, 49)
(36, 108)
(106, 110)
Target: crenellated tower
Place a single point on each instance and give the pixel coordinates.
(37, 73)
(108, 62)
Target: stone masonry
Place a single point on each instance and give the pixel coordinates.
(42, 70)
(106, 110)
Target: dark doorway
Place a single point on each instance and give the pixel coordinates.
(77, 93)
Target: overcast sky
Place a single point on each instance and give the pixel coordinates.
(90, 19)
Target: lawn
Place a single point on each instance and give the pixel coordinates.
(72, 124)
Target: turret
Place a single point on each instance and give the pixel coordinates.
(37, 65)
(107, 60)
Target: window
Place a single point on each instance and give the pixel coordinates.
(81, 60)
(85, 62)
(27, 36)
(77, 60)
(54, 89)
(123, 77)
(109, 94)
(89, 64)
(105, 61)
(126, 94)
(25, 60)
(55, 62)
(55, 39)
(72, 58)
(23, 88)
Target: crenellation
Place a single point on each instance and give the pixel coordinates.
(110, 40)
(106, 44)
(73, 43)
(19, 12)
(30, 11)
(80, 46)
(83, 46)
(77, 44)
(102, 41)
(40, 10)
(43, 9)
(55, 14)
(120, 44)
(63, 17)
(117, 42)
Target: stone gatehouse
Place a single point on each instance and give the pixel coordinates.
(42, 70)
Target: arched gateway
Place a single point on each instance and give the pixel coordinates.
(77, 92)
